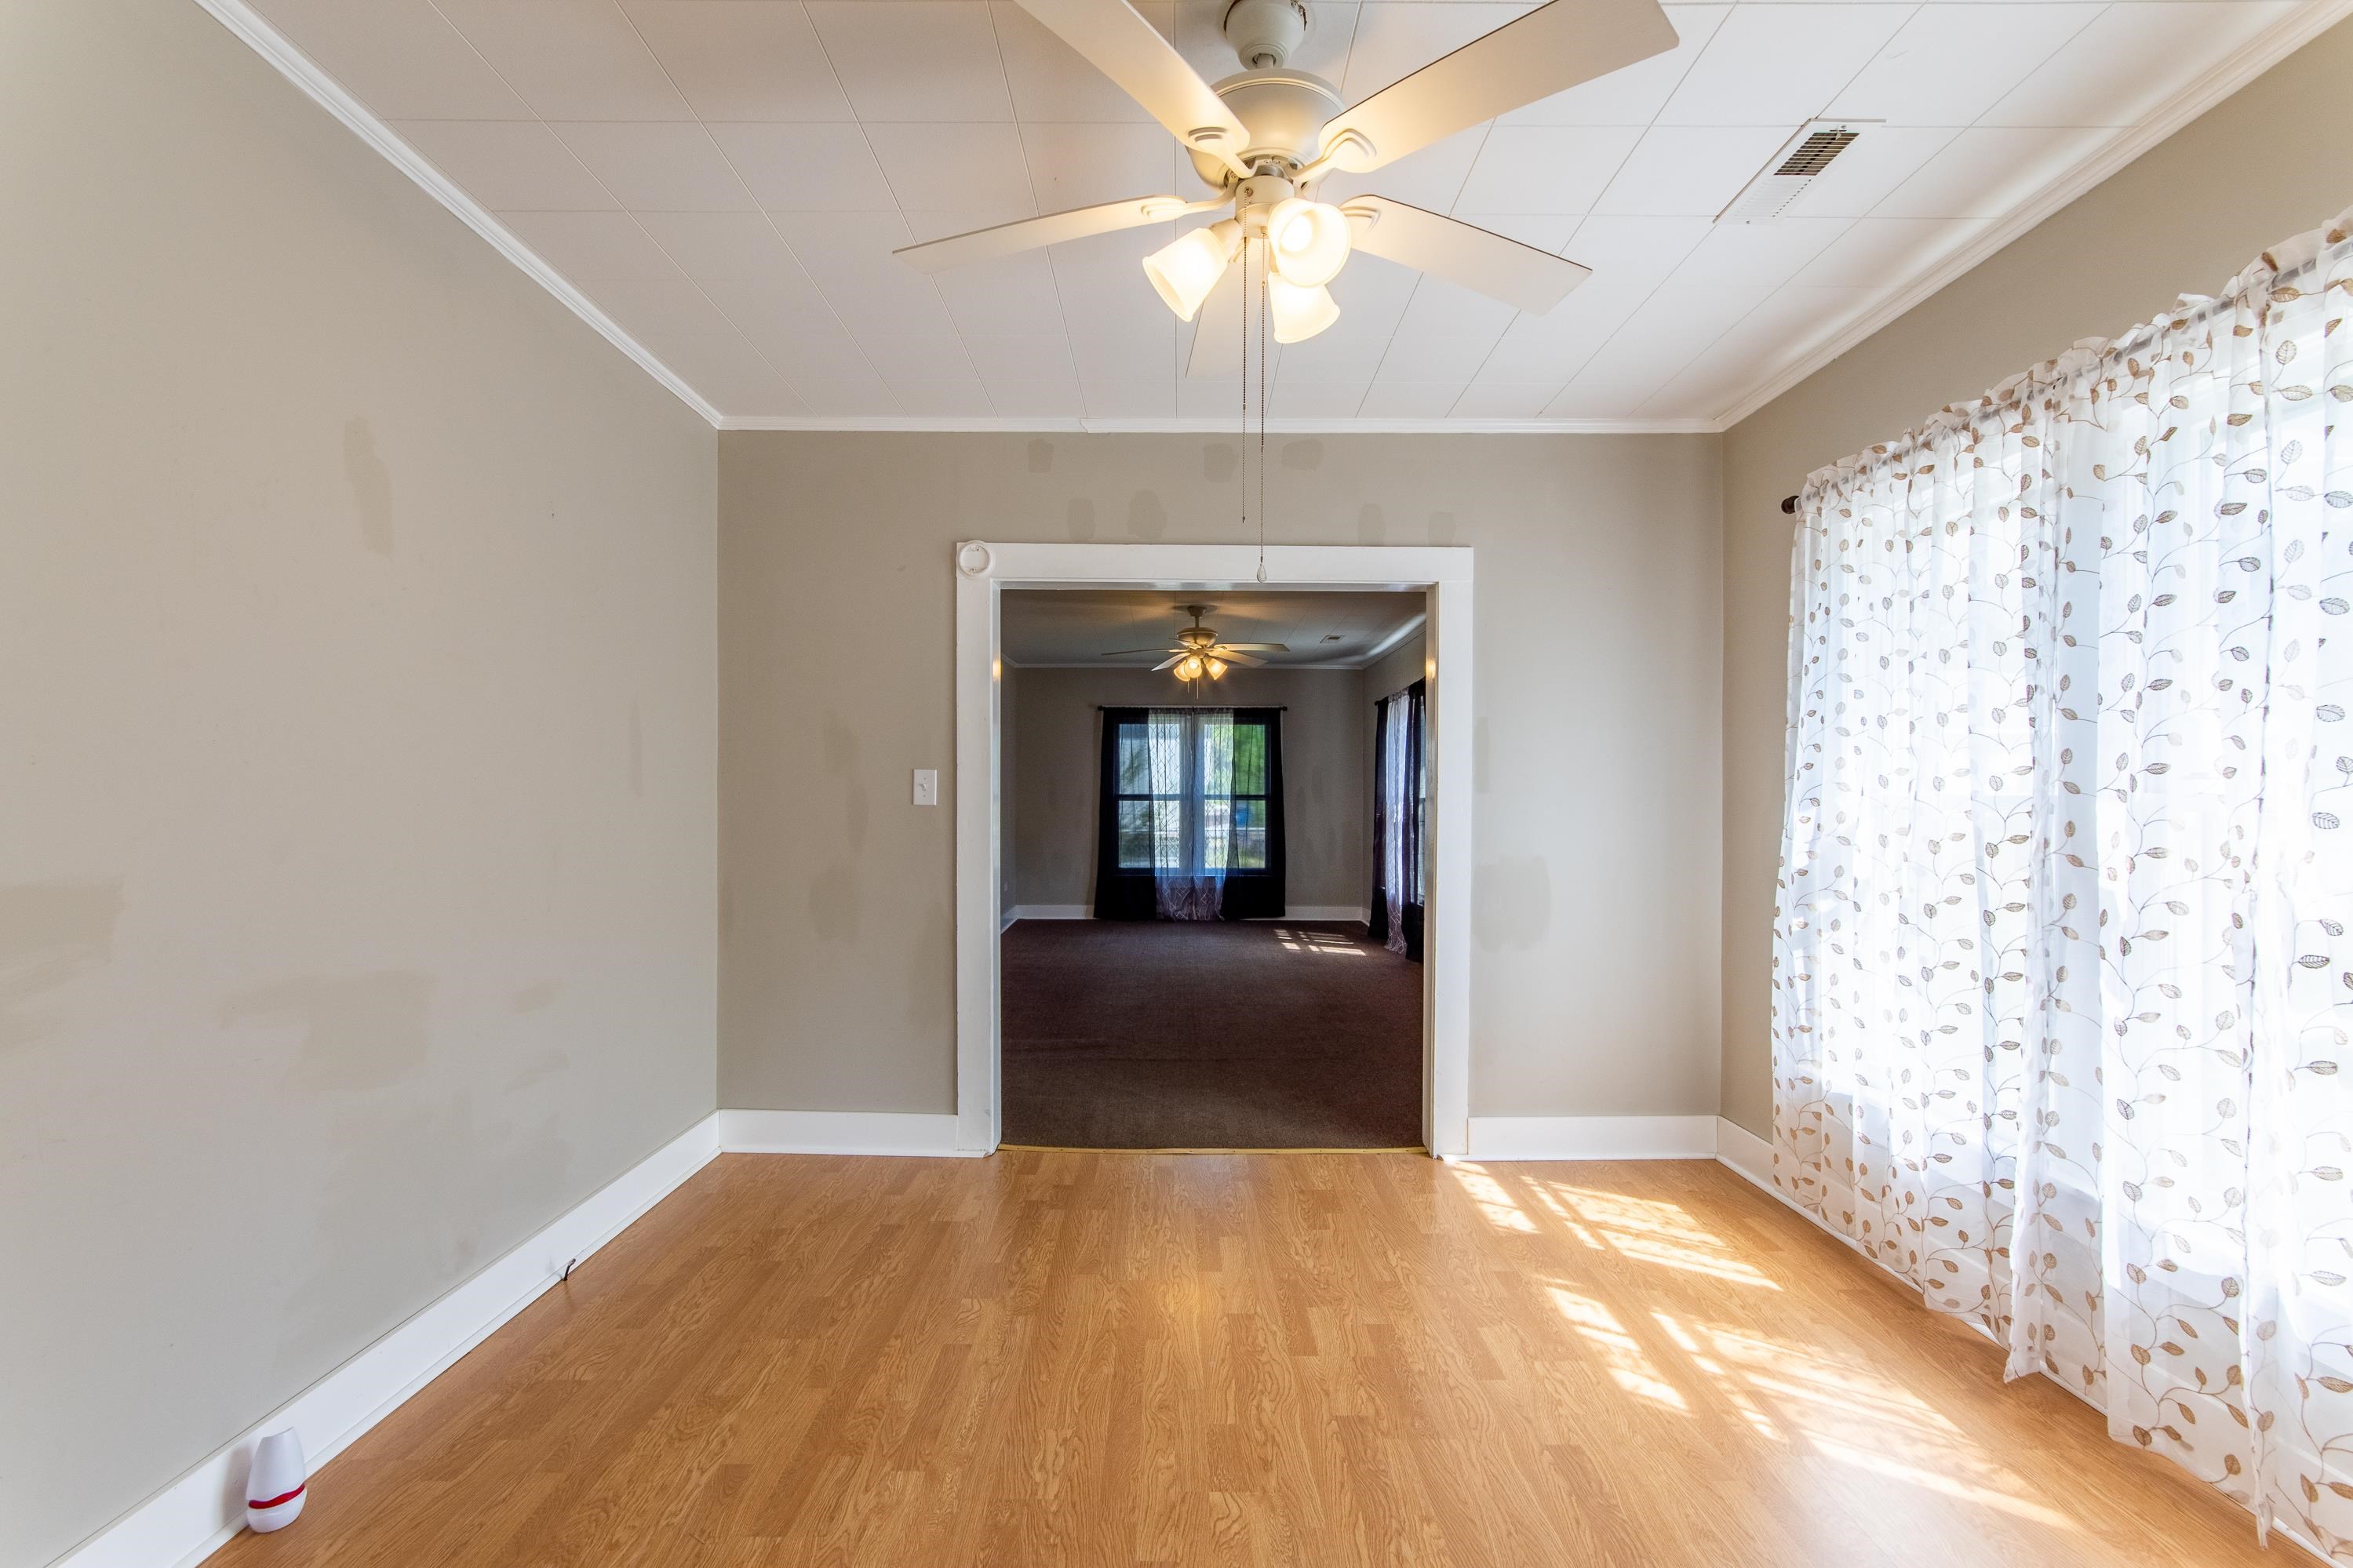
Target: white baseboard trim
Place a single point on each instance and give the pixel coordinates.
(1592, 1137)
(1053, 912)
(1745, 1153)
(1750, 1158)
(840, 1132)
(1325, 912)
(194, 1517)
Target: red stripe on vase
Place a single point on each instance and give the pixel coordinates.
(273, 1502)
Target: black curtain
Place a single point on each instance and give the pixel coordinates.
(1413, 703)
(1124, 892)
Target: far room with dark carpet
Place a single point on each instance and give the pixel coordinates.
(1183, 1035)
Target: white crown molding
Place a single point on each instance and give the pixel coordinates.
(1380, 649)
(2234, 72)
(195, 1515)
(304, 72)
(1223, 425)
(2291, 33)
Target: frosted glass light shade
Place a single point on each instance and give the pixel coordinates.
(1299, 313)
(1309, 239)
(1184, 271)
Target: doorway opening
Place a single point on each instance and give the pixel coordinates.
(1210, 821)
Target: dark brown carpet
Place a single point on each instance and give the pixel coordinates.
(1261, 1034)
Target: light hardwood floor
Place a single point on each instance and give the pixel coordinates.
(1080, 1358)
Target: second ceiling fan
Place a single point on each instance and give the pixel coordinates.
(1198, 653)
(1264, 139)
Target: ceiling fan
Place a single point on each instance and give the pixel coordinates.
(1264, 138)
(1198, 652)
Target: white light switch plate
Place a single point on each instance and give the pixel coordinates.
(927, 786)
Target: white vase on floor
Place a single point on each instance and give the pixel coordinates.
(274, 1488)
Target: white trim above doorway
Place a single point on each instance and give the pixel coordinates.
(985, 570)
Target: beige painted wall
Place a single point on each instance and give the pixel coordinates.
(2268, 163)
(1596, 800)
(357, 864)
(1326, 811)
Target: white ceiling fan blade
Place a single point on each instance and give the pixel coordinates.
(1230, 657)
(1168, 663)
(1029, 233)
(1218, 328)
(1501, 269)
(1551, 50)
(1117, 41)
(1254, 647)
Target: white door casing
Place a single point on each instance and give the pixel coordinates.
(984, 571)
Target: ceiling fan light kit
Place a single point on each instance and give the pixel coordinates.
(1264, 138)
(1197, 654)
(1310, 240)
(1299, 313)
(1184, 271)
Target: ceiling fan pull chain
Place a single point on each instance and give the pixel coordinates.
(1245, 453)
(1264, 289)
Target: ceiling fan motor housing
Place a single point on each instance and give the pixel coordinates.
(1286, 112)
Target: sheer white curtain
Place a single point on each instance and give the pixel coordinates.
(1397, 797)
(2062, 973)
(1192, 752)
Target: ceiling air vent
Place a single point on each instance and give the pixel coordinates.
(1789, 172)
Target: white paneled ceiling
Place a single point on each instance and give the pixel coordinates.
(726, 179)
(1088, 627)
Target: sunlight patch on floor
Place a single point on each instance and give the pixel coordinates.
(1651, 1230)
(1857, 1418)
(1628, 1367)
(1317, 941)
(1492, 1201)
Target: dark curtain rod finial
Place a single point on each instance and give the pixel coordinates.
(1789, 505)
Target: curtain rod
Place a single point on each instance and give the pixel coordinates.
(1147, 707)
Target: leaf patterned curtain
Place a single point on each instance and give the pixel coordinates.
(2062, 973)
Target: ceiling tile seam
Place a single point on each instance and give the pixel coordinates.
(1730, 327)
(1674, 271)
(766, 217)
(321, 86)
(2242, 66)
(2224, 78)
(1844, 89)
(1584, 217)
(937, 293)
(1420, 277)
(1348, 54)
(2088, 22)
(541, 121)
(1053, 277)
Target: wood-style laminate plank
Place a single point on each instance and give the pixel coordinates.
(1068, 1357)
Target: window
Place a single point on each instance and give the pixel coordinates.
(1190, 813)
(1217, 770)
